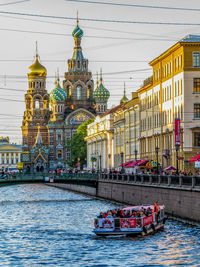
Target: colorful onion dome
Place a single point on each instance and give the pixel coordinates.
(124, 98)
(58, 94)
(77, 32)
(101, 93)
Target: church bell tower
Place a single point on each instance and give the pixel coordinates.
(37, 106)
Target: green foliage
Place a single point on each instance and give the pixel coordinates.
(78, 146)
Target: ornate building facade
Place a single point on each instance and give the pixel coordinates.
(50, 120)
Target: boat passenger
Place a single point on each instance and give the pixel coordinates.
(128, 215)
(109, 215)
(101, 215)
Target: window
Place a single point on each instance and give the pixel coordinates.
(197, 111)
(79, 92)
(59, 154)
(37, 104)
(196, 62)
(196, 84)
(197, 139)
(59, 137)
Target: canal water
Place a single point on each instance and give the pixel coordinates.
(45, 226)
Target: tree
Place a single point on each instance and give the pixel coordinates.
(78, 146)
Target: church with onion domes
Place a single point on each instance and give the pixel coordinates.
(51, 117)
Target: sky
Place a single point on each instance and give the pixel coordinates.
(122, 49)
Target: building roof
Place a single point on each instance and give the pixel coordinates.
(187, 39)
(112, 110)
(190, 38)
(10, 147)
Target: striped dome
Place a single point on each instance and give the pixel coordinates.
(58, 94)
(101, 93)
(77, 32)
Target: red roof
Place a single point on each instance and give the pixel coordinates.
(196, 158)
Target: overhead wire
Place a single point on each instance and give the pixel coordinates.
(102, 20)
(135, 5)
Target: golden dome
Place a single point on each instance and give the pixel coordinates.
(36, 69)
(124, 98)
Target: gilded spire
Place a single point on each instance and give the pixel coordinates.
(97, 79)
(36, 50)
(101, 79)
(77, 21)
(58, 76)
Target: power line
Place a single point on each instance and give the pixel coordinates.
(89, 36)
(134, 5)
(103, 20)
(87, 27)
(16, 2)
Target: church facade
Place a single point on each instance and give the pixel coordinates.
(51, 119)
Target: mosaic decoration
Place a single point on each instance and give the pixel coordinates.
(25, 157)
(101, 94)
(58, 94)
(78, 119)
(77, 32)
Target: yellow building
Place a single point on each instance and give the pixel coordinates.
(126, 131)
(172, 92)
(10, 154)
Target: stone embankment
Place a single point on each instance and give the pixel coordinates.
(180, 195)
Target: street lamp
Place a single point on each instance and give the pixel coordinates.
(109, 156)
(122, 157)
(135, 154)
(177, 148)
(100, 163)
(157, 149)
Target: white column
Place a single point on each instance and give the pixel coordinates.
(0, 158)
(5, 158)
(19, 157)
(10, 158)
(14, 158)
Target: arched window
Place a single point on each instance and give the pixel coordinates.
(59, 154)
(78, 92)
(37, 104)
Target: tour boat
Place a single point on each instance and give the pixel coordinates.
(153, 221)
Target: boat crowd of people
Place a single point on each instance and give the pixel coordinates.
(132, 213)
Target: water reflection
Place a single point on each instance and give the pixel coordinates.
(42, 225)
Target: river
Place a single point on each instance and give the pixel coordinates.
(45, 226)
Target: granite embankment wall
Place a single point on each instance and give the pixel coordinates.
(76, 188)
(179, 202)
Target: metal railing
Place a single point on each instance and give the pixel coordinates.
(159, 180)
(14, 177)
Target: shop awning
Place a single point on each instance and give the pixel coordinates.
(143, 162)
(170, 168)
(196, 158)
(132, 164)
(126, 163)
